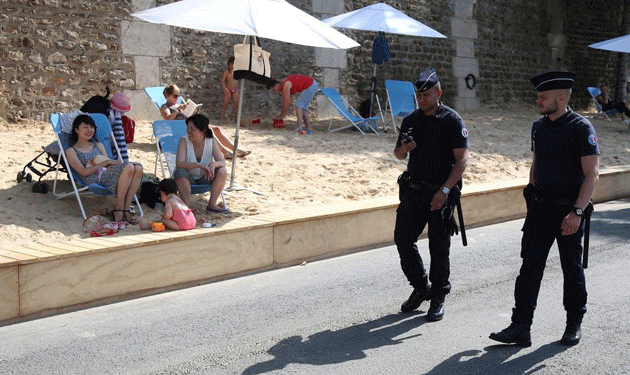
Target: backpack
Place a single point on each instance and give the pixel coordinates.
(129, 127)
(148, 191)
(97, 104)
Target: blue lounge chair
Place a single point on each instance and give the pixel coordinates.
(594, 91)
(349, 113)
(167, 134)
(401, 100)
(79, 186)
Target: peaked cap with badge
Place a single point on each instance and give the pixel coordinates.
(426, 80)
(554, 80)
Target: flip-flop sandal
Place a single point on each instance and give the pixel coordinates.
(215, 211)
(242, 154)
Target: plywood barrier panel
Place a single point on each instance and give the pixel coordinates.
(9, 298)
(321, 236)
(495, 206)
(70, 281)
(613, 184)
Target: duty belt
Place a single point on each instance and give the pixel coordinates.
(421, 185)
(541, 197)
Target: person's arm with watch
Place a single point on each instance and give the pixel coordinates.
(461, 162)
(590, 167)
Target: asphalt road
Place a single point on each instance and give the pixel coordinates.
(340, 316)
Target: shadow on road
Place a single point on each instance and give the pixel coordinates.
(339, 346)
(612, 222)
(494, 361)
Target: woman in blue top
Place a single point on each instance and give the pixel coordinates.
(122, 178)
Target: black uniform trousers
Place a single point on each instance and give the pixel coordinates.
(541, 229)
(412, 216)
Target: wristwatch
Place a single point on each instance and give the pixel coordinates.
(445, 190)
(578, 211)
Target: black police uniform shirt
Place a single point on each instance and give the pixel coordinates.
(436, 136)
(559, 146)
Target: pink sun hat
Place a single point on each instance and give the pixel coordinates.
(120, 102)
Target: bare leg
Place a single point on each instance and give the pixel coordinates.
(170, 224)
(298, 114)
(226, 102)
(183, 187)
(307, 120)
(124, 180)
(222, 139)
(134, 184)
(218, 184)
(235, 100)
(225, 144)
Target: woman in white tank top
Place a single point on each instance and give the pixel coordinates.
(199, 161)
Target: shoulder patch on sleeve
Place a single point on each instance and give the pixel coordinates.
(592, 139)
(465, 133)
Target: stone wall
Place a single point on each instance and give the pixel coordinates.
(588, 22)
(55, 54)
(511, 48)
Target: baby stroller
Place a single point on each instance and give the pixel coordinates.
(47, 162)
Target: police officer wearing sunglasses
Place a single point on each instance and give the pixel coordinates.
(436, 141)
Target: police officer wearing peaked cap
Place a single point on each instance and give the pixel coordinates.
(436, 140)
(563, 175)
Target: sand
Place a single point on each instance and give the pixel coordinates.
(293, 170)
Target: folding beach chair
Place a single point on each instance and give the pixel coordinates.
(104, 135)
(401, 100)
(156, 94)
(594, 91)
(349, 113)
(167, 134)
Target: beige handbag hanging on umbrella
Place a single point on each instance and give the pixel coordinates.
(251, 62)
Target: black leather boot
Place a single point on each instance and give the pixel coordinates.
(415, 299)
(573, 331)
(516, 333)
(436, 310)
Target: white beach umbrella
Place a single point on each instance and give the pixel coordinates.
(271, 19)
(382, 17)
(620, 44)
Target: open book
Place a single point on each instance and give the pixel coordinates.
(191, 108)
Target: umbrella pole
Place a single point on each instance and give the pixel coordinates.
(234, 186)
(372, 90)
(238, 125)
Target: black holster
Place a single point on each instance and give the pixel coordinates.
(403, 184)
(449, 224)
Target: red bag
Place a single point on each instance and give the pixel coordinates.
(129, 127)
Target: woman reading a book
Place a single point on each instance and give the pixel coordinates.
(171, 110)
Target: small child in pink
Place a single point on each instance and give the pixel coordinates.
(230, 89)
(177, 216)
